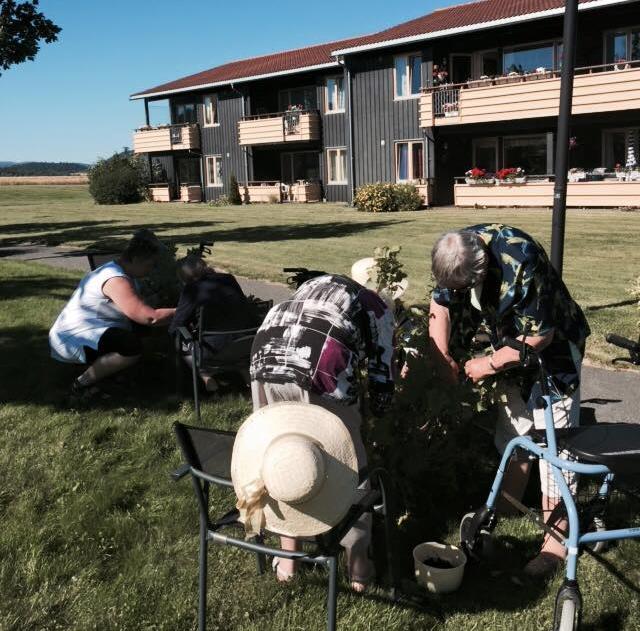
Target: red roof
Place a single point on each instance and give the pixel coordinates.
(267, 64)
(471, 14)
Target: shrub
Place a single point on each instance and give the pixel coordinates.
(406, 197)
(223, 200)
(120, 179)
(383, 197)
(234, 191)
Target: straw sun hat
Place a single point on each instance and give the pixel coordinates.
(364, 271)
(294, 470)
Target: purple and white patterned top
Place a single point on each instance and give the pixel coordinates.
(317, 338)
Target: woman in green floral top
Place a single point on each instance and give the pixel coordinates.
(499, 278)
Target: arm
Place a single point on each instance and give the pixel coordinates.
(121, 292)
(439, 333)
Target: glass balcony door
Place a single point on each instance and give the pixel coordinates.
(300, 165)
(460, 68)
(485, 154)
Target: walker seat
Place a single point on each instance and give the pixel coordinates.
(615, 445)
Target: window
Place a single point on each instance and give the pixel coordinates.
(213, 167)
(485, 154)
(337, 166)
(530, 58)
(210, 110)
(527, 152)
(304, 97)
(408, 76)
(186, 113)
(300, 165)
(188, 170)
(409, 161)
(622, 45)
(334, 95)
(620, 145)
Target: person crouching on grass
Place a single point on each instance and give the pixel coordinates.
(500, 276)
(96, 326)
(308, 350)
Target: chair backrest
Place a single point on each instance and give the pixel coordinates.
(208, 450)
(96, 259)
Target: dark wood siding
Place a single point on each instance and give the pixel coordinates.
(379, 120)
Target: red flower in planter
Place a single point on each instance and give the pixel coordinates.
(476, 173)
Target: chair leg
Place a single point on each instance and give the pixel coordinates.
(261, 559)
(194, 376)
(332, 595)
(202, 601)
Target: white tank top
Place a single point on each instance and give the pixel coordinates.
(87, 315)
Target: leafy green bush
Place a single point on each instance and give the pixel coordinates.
(120, 179)
(383, 197)
(234, 191)
(406, 197)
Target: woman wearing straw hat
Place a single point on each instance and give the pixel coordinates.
(308, 350)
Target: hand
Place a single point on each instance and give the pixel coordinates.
(404, 371)
(479, 368)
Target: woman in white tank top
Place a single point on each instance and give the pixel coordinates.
(95, 326)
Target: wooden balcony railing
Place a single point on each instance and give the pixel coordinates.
(270, 129)
(183, 137)
(606, 88)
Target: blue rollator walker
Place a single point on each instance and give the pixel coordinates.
(608, 451)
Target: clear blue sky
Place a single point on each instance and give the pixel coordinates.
(71, 103)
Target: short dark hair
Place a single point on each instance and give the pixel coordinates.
(143, 245)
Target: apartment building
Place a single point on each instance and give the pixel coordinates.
(474, 85)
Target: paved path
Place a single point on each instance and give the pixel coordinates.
(607, 395)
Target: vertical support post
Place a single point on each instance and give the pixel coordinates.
(332, 596)
(194, 377)
(562, 135)
(351, 192)
(204, 542)
(146, 112)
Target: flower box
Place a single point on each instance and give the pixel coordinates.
(451, 113)
(577, 176)
(621, 176)
(508, 79)
(479, 181)
(633, 176)
(480, 83)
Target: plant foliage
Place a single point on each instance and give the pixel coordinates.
(22, 28)
(120, 179)
(383, 197)
(234, 191)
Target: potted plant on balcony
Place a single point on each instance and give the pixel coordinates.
(482, 82)
(511, 175)
(510, 77)
(576, 174)
(478, 176)
(621, 173)
(450, 109)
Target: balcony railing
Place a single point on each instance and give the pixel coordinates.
(270, 129)
(183, 137)
(605, 88)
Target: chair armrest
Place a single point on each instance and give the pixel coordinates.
(180, 472)
(251, 331)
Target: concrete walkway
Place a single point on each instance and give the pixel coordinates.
(607, 395)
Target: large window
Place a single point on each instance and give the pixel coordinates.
(213, 167)
(530, 58)
(409, 161)
(621, 146)
(304, 97)
(188, 170)
(527, 152)
(622, 45)
(337, 166)
(408, 76)
(334, 101)
(485, 154)
(186, 113)
(210, 103)
(300, 165)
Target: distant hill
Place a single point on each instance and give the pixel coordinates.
(43, 168)
(5, 164)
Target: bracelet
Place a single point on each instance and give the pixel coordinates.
(491, 364)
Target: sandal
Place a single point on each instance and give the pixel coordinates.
(281, 575)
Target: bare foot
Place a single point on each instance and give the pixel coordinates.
(545, 564)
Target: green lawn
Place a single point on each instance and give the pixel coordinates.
(94, 535)
(602, 255)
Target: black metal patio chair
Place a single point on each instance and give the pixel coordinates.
(96, 258)
(207, 453)
(231, 359)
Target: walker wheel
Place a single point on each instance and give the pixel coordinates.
(568, 608)
(475, 532)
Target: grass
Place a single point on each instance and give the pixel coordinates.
(601, 253)
(94, 535)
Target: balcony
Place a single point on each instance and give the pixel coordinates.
(610, 88)
(184, 137)
(273, 129)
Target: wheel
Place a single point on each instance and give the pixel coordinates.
(568, 608)
(475, 532)
(597, 525)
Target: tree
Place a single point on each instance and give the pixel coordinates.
(234, 191)
(120, 179)
(22, 28)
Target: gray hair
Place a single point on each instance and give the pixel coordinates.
(192, 268)
(459, 260)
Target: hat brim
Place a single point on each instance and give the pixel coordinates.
(339, 490)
